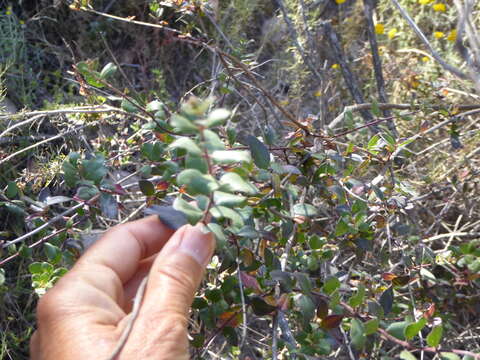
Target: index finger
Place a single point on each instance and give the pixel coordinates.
(123, 247)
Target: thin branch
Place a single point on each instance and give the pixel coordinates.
(47, 224)
(133, 316)
(33, 146)
(377, 63)
(383, 106)
(350, 80)
(425, 41)
(35, 244)
(294, 36)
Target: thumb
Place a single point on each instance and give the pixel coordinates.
(173, 280)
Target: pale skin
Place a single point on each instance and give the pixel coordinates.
(85, 313)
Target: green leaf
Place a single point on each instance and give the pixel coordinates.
(128, 106)
(212, 141)
(307, 308)
(260, 153)
(427, 274)
(270, 135)
(435, 336)
(12, 190)
(183, 125)
(94, 169)
(227, 199)
(304, 282)
(196, 182)
(220, 236)
(304, 210)
(357, 334)
(193, 213)
(187, 144)
(196, 162)
(414, 328)
(146, 187)
(260, 307)
(108, 70)
(35, 268)
(154, 106)
(357, 299)
(87, 192)
(372, 144)
(331, 285)
(386, 300)
(449, 356)
(397, 329)
(342, 228)
(316, 242)
(217, 117)
(152, 152)
(223, 212)
(70, 173)
(371, 326)
(2, 276)
(234, 182)
(230, 156)
(53, 253)
(389, 139)
(407, 355)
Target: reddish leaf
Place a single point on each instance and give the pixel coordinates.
(331, 321)
(162, 186)
(380, 221)
(388, 276)
(322, 309)
(282, 302)
(249, 281)
(229, 318)
(429, 313)
(119, 189)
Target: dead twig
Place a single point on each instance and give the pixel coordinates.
(377, 63)
(348, 76)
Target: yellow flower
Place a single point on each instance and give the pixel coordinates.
(379, 29)
(440, 7)
(425, 59)
(438, 34)
(318, 93)
(391, 34)
(340, 1)
(336, 66)
(425, 2)
(452, 36)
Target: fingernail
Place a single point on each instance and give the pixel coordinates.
(197, 244)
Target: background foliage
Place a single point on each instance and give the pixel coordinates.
(332, 151)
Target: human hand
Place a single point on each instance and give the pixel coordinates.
(84, 315)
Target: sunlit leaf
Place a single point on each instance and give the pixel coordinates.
(234, 182)
(187, 144)
(406, 355)
(193, 213)
(435, 336)
(413, 329)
